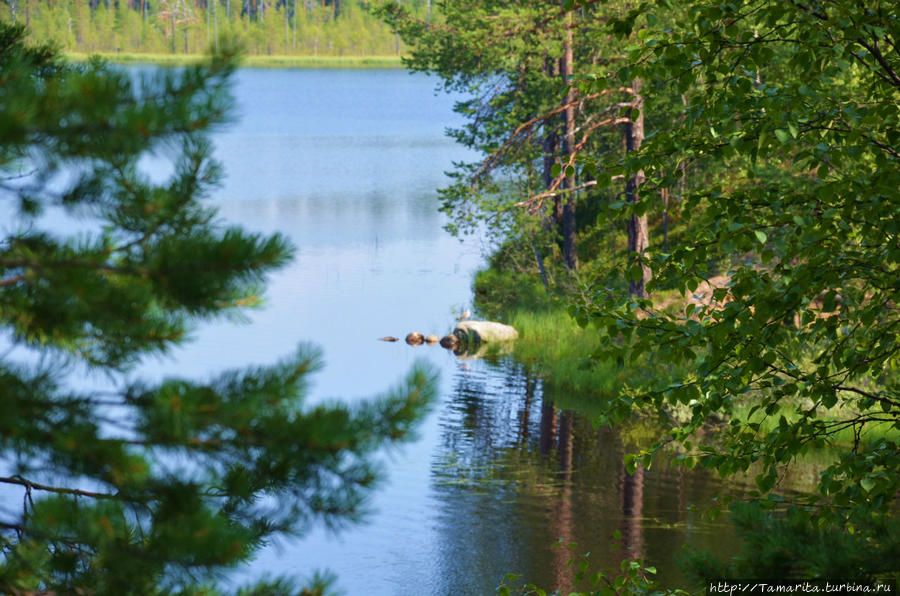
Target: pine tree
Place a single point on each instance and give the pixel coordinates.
(146, 487)
(520, 63)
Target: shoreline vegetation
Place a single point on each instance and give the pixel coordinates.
(555, 347)
(247, 61)
(558, 350)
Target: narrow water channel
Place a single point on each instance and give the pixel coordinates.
(347, 163)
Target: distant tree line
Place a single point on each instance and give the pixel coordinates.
(265, 27)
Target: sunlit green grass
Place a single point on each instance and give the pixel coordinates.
(558, 349)
(555, 347)
(250, 61)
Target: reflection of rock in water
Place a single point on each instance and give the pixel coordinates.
(467, 352)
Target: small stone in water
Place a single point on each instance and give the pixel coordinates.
(451, 342)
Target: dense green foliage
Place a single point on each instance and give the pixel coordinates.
(771, 146)
(801, 108)
(284, 28)
(113, 484)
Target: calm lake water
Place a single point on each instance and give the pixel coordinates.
(347, 163)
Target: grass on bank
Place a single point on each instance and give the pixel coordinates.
(553, 345)
(310, 62)
(560, 351)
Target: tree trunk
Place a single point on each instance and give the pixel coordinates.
(638, 237)
(539, 259)
(550, 146)
(568, 203)
(664, 193)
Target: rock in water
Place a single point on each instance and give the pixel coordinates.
(451, 342)
(431, 338)
(415, 339)
(484, 331)
(388, 338)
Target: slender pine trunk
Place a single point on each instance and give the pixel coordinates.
(638, 235)
(664, 193)
(568, 204)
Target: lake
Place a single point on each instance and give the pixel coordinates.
(346, 163)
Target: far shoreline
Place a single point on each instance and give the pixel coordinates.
(283, 61)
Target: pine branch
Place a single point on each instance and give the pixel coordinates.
(18, 480)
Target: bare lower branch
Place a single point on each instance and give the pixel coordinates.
(553, 190)
(491, 160)
(553, 193)
(28, 484)
(10, 281)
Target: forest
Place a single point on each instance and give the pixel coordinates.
(265, 27)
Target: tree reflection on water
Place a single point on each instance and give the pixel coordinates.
(515, 474)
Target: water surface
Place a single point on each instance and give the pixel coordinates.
(347, 163)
